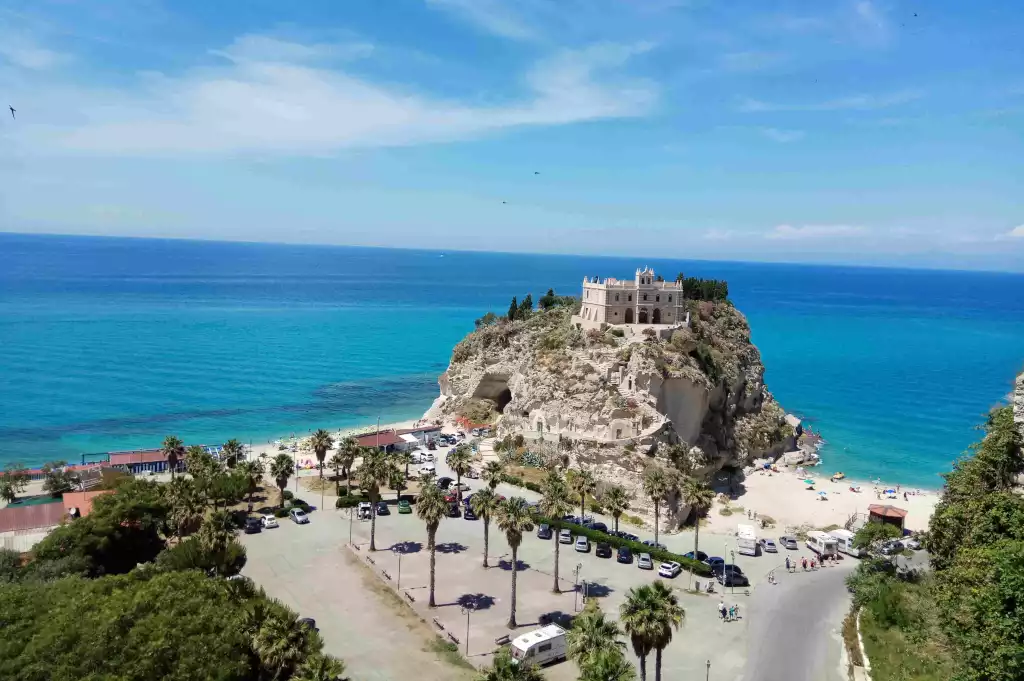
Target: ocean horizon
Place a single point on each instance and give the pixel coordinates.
(113, 343)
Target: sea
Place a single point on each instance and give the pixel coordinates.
(110, 344)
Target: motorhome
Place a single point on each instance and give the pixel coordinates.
(746, 540)
(540, 646)
(844, 541)
(825, 545)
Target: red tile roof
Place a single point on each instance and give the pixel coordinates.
(384, 439)
(139, 456)
(82, 500)
(31, 517)
(71, 467)
(421, 429)
(886, 511)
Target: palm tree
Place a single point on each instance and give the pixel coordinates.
(591, 633)
(493, 473)
(514, 520)
(700, 497)
(639, 617)
(337, 462)
(460, 460)
(253, 472)
(656, 486)
(279, 644)
(504, 668)
(374, 474)
(608, 665)
(554, 504)
(670, 616)
(232, 452)
(403, 459)
(321, 442)
(484, 503)
(616, 501)
(281, 469)
(582, 482)
(186, 504)
(397, 481)
(319, 668)
(431, 509)
(174, 451)
(348, 450)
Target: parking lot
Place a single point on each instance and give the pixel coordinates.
(301, 568)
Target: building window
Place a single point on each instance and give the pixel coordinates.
(670, 299)
(645, 296)
(657, 298)
(588, 294)
(616, 314)
(618, 433)
(631, 297)
(616, 297)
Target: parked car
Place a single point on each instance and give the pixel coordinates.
(767, 545)
(628, 536)
(603, 550)
(298, 516)
(564, 537)
(582, 544)
(428, 469)
(571, 519)
(654, 545)
(644, 562)
(789, 541)
(404, 506)
(669, 569)
(468, 514)
(714, 560)
(597, 526)
(454, 511)
(544, 531)
(451, 496)
(891, 547)
(724, 568)
(727, 578)
(382, 508)
(444, 482)
(698, 555)
(624, 555)
(253, 525)
(269, 521)
(462, 486)
(472, 474)
(363, 510)
(911, 543)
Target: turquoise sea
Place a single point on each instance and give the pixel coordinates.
(111, 344)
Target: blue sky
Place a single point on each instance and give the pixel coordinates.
(858, 131)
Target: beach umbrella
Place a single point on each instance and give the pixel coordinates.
(808, 481)
(822, 494)
(890, 491)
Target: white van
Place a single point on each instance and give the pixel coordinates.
(540, 646)
(746, 540)
(844, 541)
(822, 544)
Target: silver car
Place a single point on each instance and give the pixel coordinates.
(298, 516)
(644, 562)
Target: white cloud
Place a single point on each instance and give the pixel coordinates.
(748, 61)
(262, 48)
(268, 99)
(815, 231)
(26, 54)
(493, 16)
(860, 102)
(1017, 232)
(782, 136)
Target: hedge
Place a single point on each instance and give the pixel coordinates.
(520, 482)
(636, 547)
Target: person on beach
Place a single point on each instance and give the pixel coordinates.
(721, 610)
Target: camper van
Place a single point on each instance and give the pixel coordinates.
(746, 540)
(540, 646)
(844, 542)
(823, 544)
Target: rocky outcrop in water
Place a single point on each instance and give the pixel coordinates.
(617, 401)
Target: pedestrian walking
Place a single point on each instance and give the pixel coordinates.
(803, 562)
(787, 564)
(732, 613)
(721, 610)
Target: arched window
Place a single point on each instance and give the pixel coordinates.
(670, 299)
(629, 316)
(657, 298)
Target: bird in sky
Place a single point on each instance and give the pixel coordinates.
(536, 172)
(504, 202)
(12, 111)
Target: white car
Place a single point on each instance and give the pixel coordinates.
(582, 544)
(428, 469)
(269, 521)
(911, 543)
(669, 569)
(564, 537)
(462, 486)
(644, 562)
(298, 516)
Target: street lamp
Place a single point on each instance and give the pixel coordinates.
(467, 611)
(576, 587)
(351, 515)
(708, 674)
(732, 581)
(397, 551)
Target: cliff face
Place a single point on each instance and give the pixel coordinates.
(616, 401)
(1018, 403)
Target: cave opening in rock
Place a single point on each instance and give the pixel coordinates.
(504, 397)
(494, 388)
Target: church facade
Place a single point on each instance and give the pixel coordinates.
(644, 300)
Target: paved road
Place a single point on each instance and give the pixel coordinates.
(795, 626)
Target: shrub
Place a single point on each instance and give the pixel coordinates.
(694, 566)
(281, 513)
(525, 484)
(347, 502)
(617, 332)
(288, 495)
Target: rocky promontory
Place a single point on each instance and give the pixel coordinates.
(618, 398)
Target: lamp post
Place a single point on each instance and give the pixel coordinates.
(732, 582)
(399, 554)
(708, 674)
(576, 588)
(351, 514)
(467, 611)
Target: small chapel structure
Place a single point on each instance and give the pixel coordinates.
(646, 300)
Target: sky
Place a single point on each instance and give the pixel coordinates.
(850, 131)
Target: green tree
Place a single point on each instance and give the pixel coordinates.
(504, 668)
(321, 443)
(525, 307)
(232, 452)
(348, 450)
(484, 503)
(252, 472)
(872, 535)
(174, 451)
(608, 664)
(320, 668)
(591, 633)
(374, 474)
(514, 519)
(282, 467)
(226, 488)
(513, 310)
(403, 459)
(493, 473)
(581, 483)
(616, 502)
(58, 478)
(547, 301)
(555, 504)
(700, 497)
(281, 644)
(397, 481)
(10, 566)
(670, 617)
(224, 559)
(656, 485)
(431, 509)
(639, 615)
(14, 481)
(186, 506)
(460, 460)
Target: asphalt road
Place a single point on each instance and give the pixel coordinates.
(795, 626)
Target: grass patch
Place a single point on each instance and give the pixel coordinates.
(634, 520)
(725, 510)
(449, 652)
(829, 528)
(850, 639)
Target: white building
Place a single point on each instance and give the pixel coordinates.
(644, 300)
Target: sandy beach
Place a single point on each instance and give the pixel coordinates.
(785, 497)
